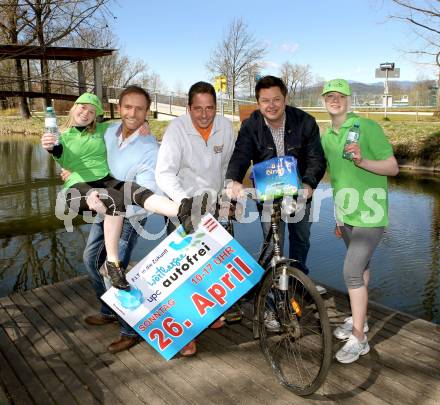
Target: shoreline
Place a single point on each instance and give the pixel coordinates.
(406, 164)
(409, 165)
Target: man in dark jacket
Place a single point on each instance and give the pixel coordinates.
(277, 129)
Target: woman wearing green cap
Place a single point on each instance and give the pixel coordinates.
(358, 174)
(82, 150)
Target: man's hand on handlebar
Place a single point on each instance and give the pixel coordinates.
(234, 190)
(307, 191)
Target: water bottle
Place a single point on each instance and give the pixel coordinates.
(50, 124)
(352, 137)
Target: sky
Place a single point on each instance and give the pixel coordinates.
(336, 38)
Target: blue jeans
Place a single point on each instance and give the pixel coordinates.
(299, 237)
(94, 257)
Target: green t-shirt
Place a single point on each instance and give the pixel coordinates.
(84, 154)
(361, 197)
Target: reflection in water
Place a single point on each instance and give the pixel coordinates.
(429, 185)
(433, 281)
(35, 249)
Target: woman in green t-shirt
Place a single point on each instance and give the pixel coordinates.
(358, 174)
(82, 151)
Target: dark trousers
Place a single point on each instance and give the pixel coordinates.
(114, 194)
(299, 236)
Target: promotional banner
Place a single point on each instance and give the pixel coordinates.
(277, 177)
(184, 285)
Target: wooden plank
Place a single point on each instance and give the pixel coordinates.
(338, 385)
(255, 390)
(190, 373)
(179, 379)
(334, 386)
(48, 365)
(98, 361)
(20, 355)
(156, 383)
(4, 400)
(370, 373)
(418, 327)
(254, 367)
(241, 379)
(15, 388)
(47, 327)
(76, 375)
(61, 321)
(400, 360)
(389, 373)
(385, 324)
(160, 363)
(138, 385)
(240, 389)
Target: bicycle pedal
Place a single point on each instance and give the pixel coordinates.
(233, 317)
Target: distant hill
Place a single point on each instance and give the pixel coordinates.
(403, 91)
(371, 93)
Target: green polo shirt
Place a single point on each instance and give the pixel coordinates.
(361, 197)
(84, 154)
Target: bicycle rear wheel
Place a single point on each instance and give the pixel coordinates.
(294, 330)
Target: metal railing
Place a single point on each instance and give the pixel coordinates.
(175, 104)
(11, 83)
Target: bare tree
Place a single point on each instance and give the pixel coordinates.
(118, 70)
(235, 54)
(50, 21)
(424, 18)
(11, 25)
(297, 78)
(421, 92)
(251, 73)
(155, 83)
(46, 23)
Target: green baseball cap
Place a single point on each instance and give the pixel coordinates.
(89, 98)
(338, 85)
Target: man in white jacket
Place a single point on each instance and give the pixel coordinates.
(194, 154)
(196, 148)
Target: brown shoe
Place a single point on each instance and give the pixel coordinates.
(189, 350)
(123, 343)
(99, 319)
(217, 324)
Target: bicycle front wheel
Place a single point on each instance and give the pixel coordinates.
(294, 330)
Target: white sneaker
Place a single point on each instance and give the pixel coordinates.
(270, 322)
(351, 351)
(321, 290)
(343, 331)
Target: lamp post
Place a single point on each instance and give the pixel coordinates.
(437, 109)
(387, 70)
(386, 67)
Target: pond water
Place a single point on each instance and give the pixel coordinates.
(35, 249)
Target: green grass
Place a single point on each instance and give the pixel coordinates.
(158, 128)
(34, 126)
(14, 125)
(380, 117)
(416, 141)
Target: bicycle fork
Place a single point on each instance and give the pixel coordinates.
(281, 283)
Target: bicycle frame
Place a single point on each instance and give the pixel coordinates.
(271, 260)
(275, 294)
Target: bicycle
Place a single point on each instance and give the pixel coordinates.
(300, 350)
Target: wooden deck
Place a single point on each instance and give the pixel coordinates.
(49, 356)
